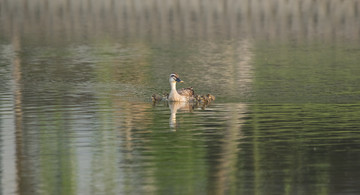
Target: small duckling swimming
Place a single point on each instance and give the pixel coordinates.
(210, 97)
(199, 98)
(158, 98)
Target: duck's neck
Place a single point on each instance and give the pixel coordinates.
(173, 88)
(174, 96)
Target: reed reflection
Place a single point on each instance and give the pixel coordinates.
(18, 112)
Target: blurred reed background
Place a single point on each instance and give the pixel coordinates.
(156, 20)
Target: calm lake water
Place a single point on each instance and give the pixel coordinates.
(76, 79)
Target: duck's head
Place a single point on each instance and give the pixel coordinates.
(175, 78)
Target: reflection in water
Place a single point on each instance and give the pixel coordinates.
(222, 173)
(183, 107)
(11, 138)
(174, 107)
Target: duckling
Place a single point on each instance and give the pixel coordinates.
(156, 98)
(198, 98)
(210, 97)
(165, 96)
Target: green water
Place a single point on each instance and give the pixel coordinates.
(76, 115)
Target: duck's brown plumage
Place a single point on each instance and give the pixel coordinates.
(188, 92)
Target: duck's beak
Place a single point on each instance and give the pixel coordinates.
(179, 80)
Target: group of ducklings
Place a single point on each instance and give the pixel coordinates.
(204, 98)
(197, 98)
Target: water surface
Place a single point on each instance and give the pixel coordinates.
(76, 80)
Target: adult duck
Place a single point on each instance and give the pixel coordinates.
(182, 95)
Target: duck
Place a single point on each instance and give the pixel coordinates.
(182, 95)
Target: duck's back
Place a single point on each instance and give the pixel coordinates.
(188, 92)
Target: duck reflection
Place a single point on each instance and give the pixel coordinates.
(176, 107)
